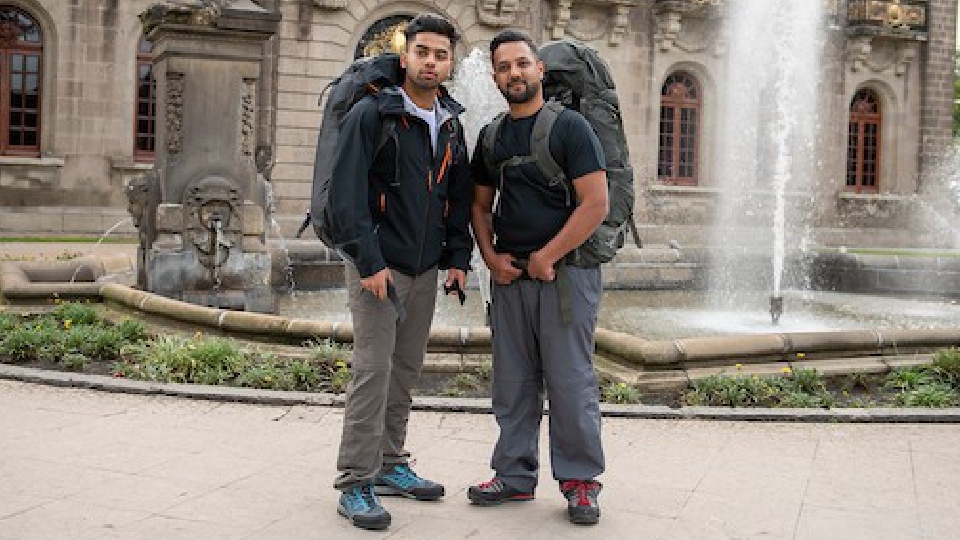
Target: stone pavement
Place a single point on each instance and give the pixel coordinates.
(84, 465)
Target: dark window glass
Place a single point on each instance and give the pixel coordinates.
(863, 142)
(679, 129)
(145, 109)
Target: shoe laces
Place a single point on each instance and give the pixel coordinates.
(362, 496)
(581, 489)
(405, 471)
(494, 483)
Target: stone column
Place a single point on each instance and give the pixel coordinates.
(203, 224)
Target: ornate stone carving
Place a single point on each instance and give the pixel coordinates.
(879, 55)
(497, 12)
(617, 12)
(890, 13)
(248, 123)
(195, 12)
(213, 224)
(136, 192)
(698, 17)
(174, 113)
(668, 30)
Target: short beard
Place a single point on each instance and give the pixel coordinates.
(432, 85)
(525, 97)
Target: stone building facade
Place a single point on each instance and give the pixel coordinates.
(888, 66)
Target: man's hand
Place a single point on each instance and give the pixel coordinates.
(377, 283)
(458, 276)
(540, 267)
(502, 268)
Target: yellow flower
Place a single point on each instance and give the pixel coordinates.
(198, 335)
(801, 355)
(786, 369)
(67, 323)
(739, 366)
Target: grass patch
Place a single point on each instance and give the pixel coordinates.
(74, 337)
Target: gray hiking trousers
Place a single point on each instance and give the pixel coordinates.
(534, 351)
(387, 359)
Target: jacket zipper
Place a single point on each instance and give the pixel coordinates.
(426, 207)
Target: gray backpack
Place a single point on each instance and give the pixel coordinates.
(577, 78)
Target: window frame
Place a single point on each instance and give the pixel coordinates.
(8, 50)
(680, 104)
(145, 58)
(861, 119)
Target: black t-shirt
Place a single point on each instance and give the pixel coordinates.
(529, 212)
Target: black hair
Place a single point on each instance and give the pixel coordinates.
(513, 36)
(435, 24)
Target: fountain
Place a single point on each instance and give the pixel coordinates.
(770, 121)
(201, 215)
(201, 212)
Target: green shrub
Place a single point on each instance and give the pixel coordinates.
(808, 381)
(73, 361)
(132, 331)
(340, 377)
(8, 322)
(328, 351)
(23, 343)
(485, 369)
(929, 395)
(946, 364)
(305, 376)
(76, 314)
(267, 377)
(908, 379)
(619, 392)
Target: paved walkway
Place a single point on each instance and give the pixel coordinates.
(81, 464)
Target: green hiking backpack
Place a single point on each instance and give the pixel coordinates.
(577, 78)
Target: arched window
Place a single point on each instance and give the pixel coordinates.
(21, 52)
(679, 130)
(863, 142)
(146, 106)
(383, 35)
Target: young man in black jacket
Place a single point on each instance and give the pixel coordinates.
(525, 239)
(399, 210)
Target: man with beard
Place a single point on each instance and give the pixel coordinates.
(399, 208)
(525, 239)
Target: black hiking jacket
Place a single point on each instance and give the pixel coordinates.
(393, 201)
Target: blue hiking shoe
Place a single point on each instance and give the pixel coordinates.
(401, 480)
(361, 506)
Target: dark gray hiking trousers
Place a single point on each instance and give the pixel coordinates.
(534, 351)
(387, 360)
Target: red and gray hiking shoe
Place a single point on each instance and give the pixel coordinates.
(582, 500)
(496, 492)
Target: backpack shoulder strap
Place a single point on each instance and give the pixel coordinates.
(489, 138)
(540, 141)
(388, 131)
